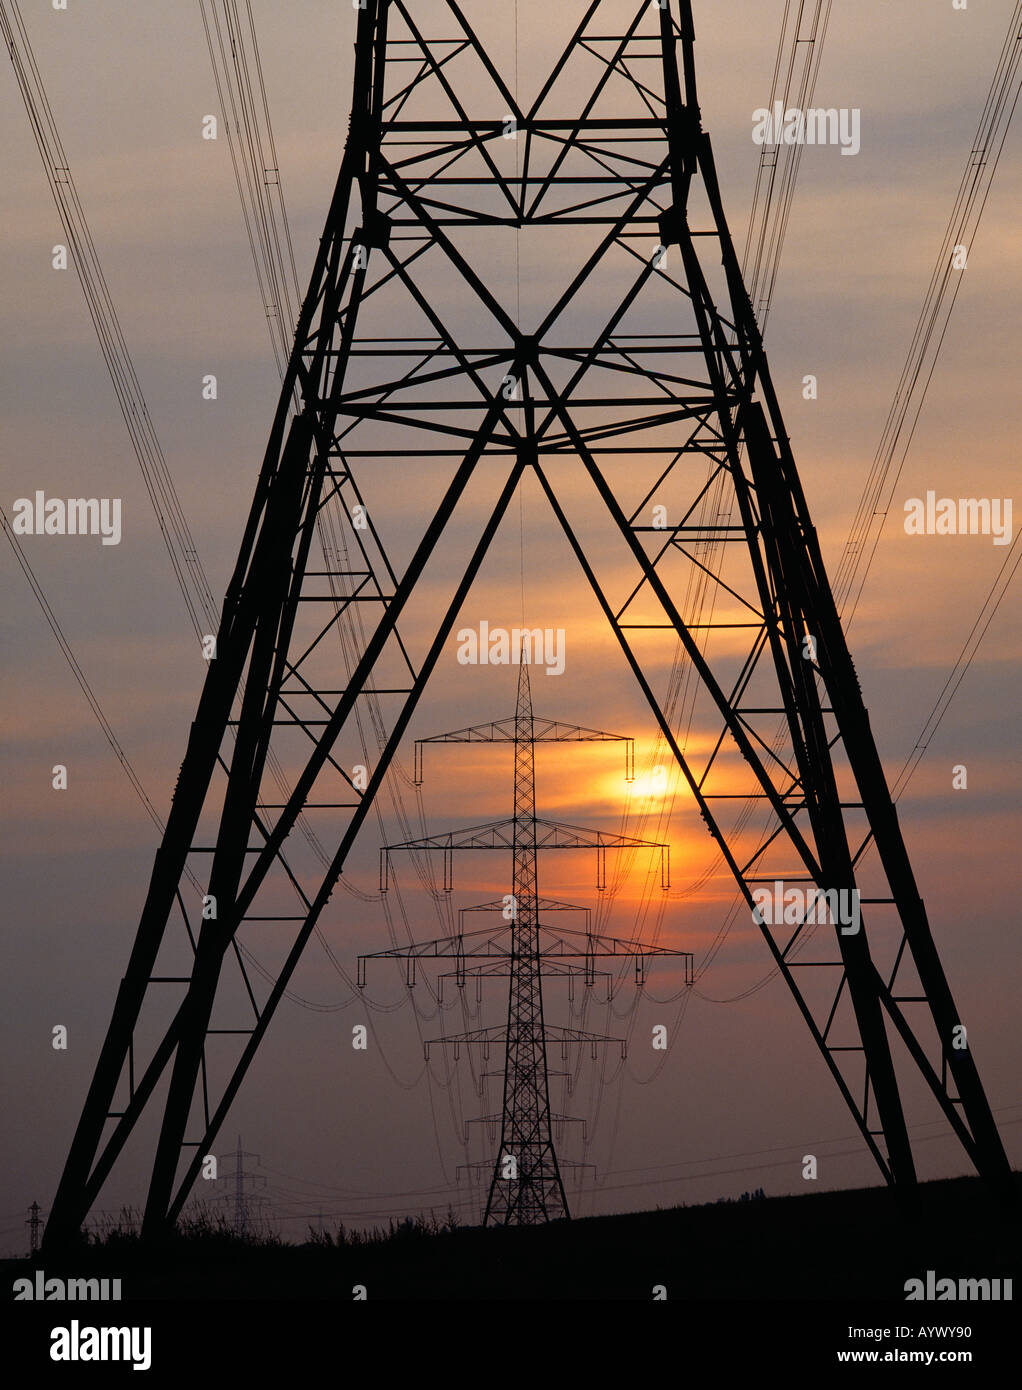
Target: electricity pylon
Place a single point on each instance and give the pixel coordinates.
(33, 1223)
(242, 1198)
(642, 388)
(526, 1188)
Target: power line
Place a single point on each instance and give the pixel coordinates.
(779, 163)
(934, 317)
(79, 674)
(184, 559)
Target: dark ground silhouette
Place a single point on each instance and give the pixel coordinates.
(831, 1245)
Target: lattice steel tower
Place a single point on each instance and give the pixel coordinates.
(414, 402)
(526, 1187)
(538, 1194)
(526, 1122)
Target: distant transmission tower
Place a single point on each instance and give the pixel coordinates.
(33, 1223)
(526, 1187)
(241, 1197)
(633, 390)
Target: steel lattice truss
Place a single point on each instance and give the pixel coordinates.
(526, 1186)
(414, 402)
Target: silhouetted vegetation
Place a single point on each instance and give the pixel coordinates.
(828, 1245)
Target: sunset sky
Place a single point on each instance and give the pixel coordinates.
(742, 1094)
